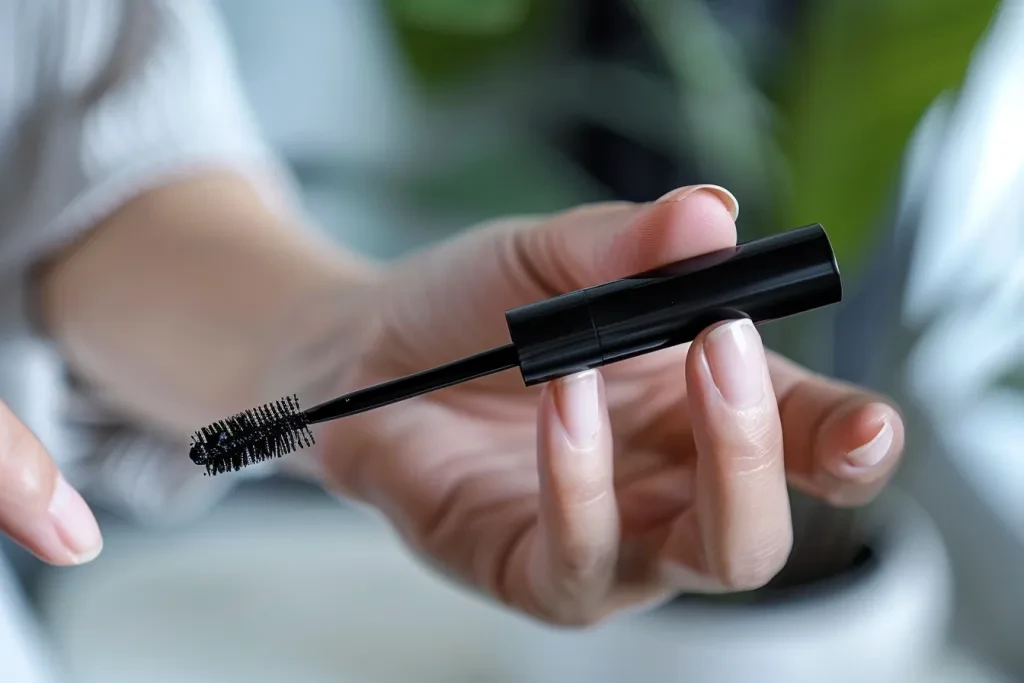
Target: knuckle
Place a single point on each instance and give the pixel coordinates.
(581, 564)
(756, 461)
(578, 561)
(758, 565)
(760, 429)
(519, 257)
(581, 578)
(589, 213)
(433, 531)
(760, 459)
(501, 575)
(583, 497)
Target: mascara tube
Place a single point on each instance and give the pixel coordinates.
(763, 280)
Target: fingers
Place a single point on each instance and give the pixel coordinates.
(842, 442)
(573, 565)
(740, 526)
(435, 317)
(38, 508)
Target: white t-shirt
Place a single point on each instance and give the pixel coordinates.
(99, 101)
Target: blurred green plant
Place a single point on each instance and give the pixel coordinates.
(468, 17)
(855, 83)
(724, 119)
(446, 40)
(860, 79)
(820, 141)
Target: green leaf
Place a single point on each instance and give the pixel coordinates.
(865, 74)
(722, 115)
(448, 40)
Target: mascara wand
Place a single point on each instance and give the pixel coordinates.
(765, 279)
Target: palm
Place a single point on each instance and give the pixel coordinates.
(477, 470)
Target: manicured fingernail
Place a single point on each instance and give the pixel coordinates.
(75, 524)
(723, 195)
(578, 405)
(736, 356)
(874, 451)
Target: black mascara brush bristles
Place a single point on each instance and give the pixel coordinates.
(253, 436)
(276, 429)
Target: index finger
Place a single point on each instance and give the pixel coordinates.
(38, 508)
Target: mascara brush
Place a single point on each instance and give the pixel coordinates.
(765, 279)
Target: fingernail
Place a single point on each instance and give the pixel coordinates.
(736, 357)
(723, 195)
(76, 526)
(874, 451)
(578, 406)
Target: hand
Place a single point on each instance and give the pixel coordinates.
(611, 489)
(38, 508)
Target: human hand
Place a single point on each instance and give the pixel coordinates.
(38, 508)
(611, 489)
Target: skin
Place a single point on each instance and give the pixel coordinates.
(607, 491)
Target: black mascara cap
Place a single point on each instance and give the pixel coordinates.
(763, 280)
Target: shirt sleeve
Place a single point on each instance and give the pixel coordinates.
(144, 91)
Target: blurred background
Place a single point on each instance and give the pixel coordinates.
(897, 124)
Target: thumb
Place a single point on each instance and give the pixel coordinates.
(38, 508)
(450, 301)
(594, 244)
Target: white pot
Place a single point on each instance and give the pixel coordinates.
(279, 590)
(887, 624)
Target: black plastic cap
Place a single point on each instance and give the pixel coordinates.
(766, 279)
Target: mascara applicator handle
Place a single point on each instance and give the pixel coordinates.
(765, 279)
